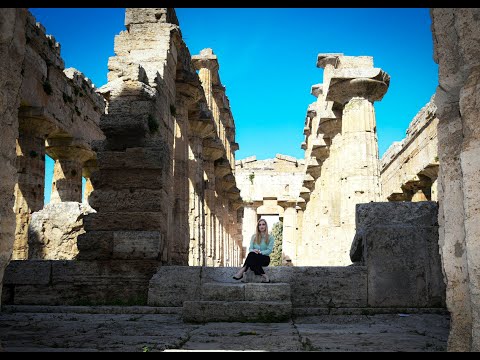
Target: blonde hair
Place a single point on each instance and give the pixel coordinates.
(258, 234)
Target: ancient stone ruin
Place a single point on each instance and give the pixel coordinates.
(168, 210)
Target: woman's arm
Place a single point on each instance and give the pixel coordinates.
(250, 249)
(271, 242)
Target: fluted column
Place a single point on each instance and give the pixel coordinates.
(207, 64)
(356, 89)
(289, 230)
(211, 246)
(249, 223)
(197, 254)
(180, 237)
(67, 171)
(29, 191)
(89, 167)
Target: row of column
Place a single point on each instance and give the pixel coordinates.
(67, 178)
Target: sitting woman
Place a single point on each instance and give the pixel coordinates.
(261, 246)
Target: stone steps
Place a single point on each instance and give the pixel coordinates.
(97, 309)
(240, 302)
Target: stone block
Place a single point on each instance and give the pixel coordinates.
(329, 286)
(223, 292)
(137, 244)
(92, 272)
(95, 245)
(238, 311)
(126, 200)
(423, 213)
(132, 158)
(399, 269)
(172, 285)
(128, 179)
(267, 292)
(31, 272)
(129, 221)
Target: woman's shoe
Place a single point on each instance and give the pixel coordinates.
(238, 278)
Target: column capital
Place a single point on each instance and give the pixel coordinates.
(287, 203)
(33, 120)
(316, 90)
(206, 59)
(345, 84)
(325, 59)
(68, 148)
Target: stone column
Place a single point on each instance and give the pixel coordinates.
(210, 214)
(180, 237)
(197, 254)
(456, 47)
(89, 167)
(289, 229)
(207, 64)
(298, 234)
(249, 223)
(356, 89)
(67, 171)
(12, 53)
(29, 191)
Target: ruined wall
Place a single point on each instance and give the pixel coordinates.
(58, 115)
(272, 187)
(341, 155)
(409, 168)
(12, 54)
(456, 34)
(157, 180)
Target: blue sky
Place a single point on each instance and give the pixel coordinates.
(268, 58)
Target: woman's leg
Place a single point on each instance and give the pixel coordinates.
(245, 267)
(256, 261)
(265, 261)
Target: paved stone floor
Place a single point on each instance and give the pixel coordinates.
(136, 330)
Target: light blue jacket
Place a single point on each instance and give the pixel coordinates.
(265, 249)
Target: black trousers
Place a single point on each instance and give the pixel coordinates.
(256, 261)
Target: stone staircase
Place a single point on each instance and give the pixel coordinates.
(245, 301)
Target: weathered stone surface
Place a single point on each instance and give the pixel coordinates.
(129, 329)
(141, 221)
(53, 231)
(171, 286)
(402, 214)
(310, 286)
(95, 245)
(137, 244)
(20, 272)
(131, 158)
(127, 199)
(12, 53)
(416, 156)
(456, 53)
(398, 242)
(242, 311)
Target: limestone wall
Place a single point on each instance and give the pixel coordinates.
(58, 115)
(409, 168)
(456, 34)
(12, 53)
(166, 174)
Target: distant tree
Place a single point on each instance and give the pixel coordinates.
(276, 255)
